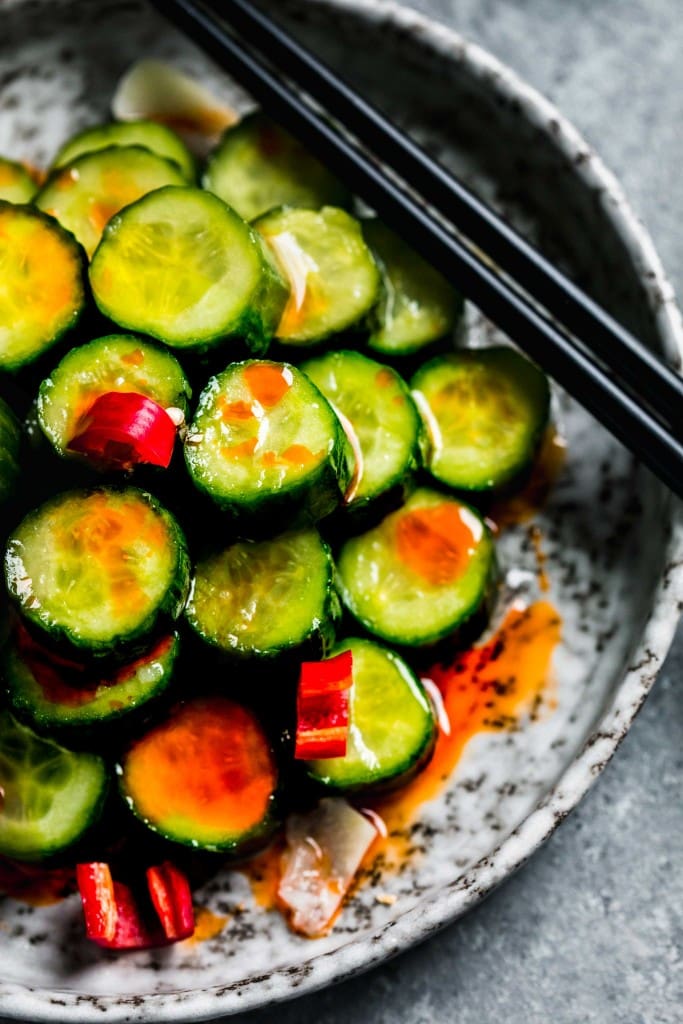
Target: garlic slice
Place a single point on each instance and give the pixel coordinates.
(325, 848)
(155, 91)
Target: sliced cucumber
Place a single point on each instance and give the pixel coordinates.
(418, 306)
(266, 443)
(334, 280)
(10, 443)
(98, 569)
(51, 796)
(486, 411)
(117, 362)
(153, 136)
(42, 288)
(56, 700)
(257, 166)
(86, 194)
(421, 574)
(16, 184)
(378, 405)
(205, 777)
(181, 266)
(392, 728)
(260, 599)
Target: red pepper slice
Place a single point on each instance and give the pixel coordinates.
(114, 918)
(172, 899)
(122, 429)
(96, 886)
(322, 708)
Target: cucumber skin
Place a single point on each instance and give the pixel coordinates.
(306, 501)
(459, 633)
(315, 645)
(121, 648)
(53, 853)
(412, 767)
(364, 512)
(35, 363)
(288, 348)
(10, 444)
(188, 166)
(506, 483)
(255, 328)
(181, 399)
(105, 731)
(338, 195)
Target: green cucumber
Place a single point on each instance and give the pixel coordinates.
(260, 599)
(392, 727)
(117, 362)
(204, 777)
(153, 136)
(421, 574)
(59, 700)
(42, 285)
(98, 570)
(10, 444)
(334, 280)
(16, 184)
(378, 405)
(257, 165)
(486, 411)
(51, 796)
(418, 306)
(183, 267)
(85, 195)
(266, 445)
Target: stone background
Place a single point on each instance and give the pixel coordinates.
(591, 930)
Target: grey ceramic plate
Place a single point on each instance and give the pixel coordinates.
(615, 551)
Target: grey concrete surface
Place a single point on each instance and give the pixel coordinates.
(591, 930)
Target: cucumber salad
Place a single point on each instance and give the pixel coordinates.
(245, 460)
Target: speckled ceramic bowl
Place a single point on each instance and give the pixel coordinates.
(615, 550)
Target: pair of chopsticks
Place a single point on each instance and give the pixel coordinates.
(611, 373)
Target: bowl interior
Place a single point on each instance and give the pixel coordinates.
(605, 525)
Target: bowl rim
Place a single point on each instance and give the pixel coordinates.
(448, 902)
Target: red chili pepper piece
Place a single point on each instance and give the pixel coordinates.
(100, 911)
(122, 429)
(172, 900)
(322, 708)
(115, 919)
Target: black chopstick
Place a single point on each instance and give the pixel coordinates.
(603, 393)
(639, 367)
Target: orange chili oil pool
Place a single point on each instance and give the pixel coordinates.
(491, 687)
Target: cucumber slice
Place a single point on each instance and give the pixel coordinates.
(260, 599)
(16, 184)
(378, 405)
(117, 362)
(392, 728)
(42, 287)
(421, 574)
(205, 777)
(86, 194)
(10, 443)
(265, 443)
(257, 165)
(334, 280)
(98, 569)
(486, 411)
(153, 136)
(418, 306)
(51, 796)
(54, 700)
(181, 266)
